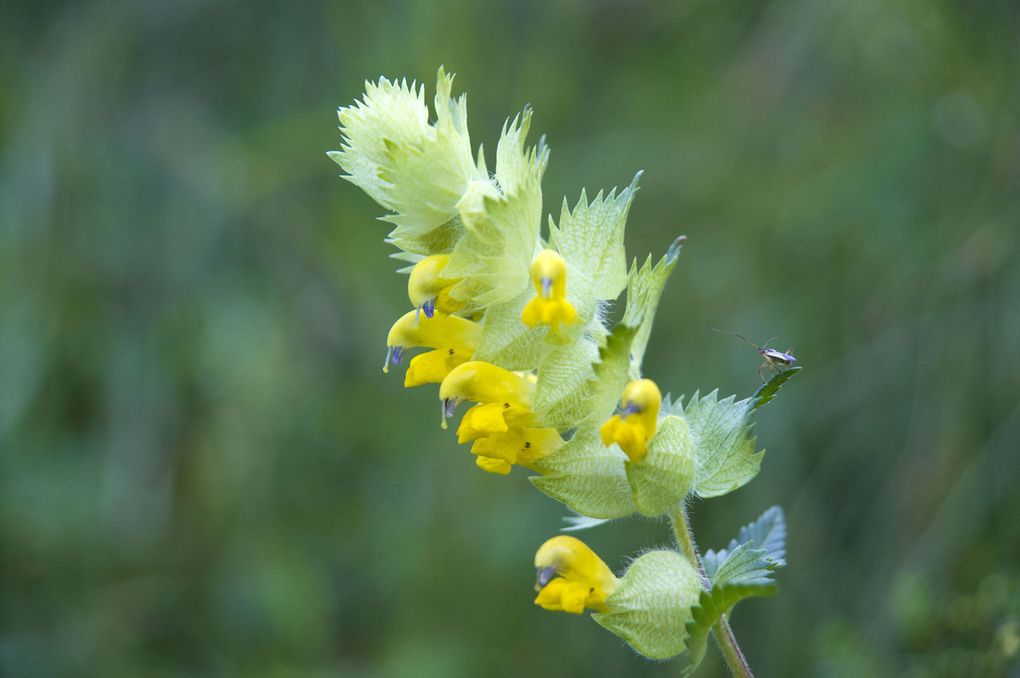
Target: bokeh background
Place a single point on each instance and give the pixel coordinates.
(203, 470)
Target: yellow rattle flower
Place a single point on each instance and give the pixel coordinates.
(637, 420)
(571, 577)
(453, 340)
(549, 306)
(502, 425)
(428, 290)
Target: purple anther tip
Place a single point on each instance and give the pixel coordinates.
(631, 408)
(429, 308)
(396, 355)
(449, 407)
(546, 287)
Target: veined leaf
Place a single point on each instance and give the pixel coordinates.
(501, 223)
(767, 391)
(725, 457)
(644, 288)
(563, 391)
(417, 170)
(742, 570)
(768, 533)
(663, 478)
(652, 603)
(590, 238)
(588, 477)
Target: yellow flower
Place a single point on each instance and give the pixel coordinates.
(502, 425)
(428, 290)
(571, 577)
(637, 421)
(453, 339)
(550, 305)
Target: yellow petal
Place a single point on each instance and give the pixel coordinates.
(500, 466)
(482, 420)
(483, 382)
(414, 328)
(432, 367)
(426, 282)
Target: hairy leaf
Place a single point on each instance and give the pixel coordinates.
(417, 170)
(588, 477)
(663, 478)
(725, 457)
(501, 223)
(644, 289)
(652, 603)
(768, 533)
(590, 238)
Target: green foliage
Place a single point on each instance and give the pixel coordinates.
(742, 570)
(563, 392)
(768, 533)
(644, 288)
(725, 457)
(663, 478)
(417, 170)
(588, 477)
(501, 223)
(653, 603)
(767, 391)
(590, 238)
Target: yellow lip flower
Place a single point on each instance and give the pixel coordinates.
(637, 421)
(453, 339)
(571, 577)
(428, 290)
(550, 305)
(501, 425)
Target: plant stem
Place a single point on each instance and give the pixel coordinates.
(723, 633)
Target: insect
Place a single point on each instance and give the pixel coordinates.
(774, 360)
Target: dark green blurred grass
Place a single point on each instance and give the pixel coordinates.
(203, 471)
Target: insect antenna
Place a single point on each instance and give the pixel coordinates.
(740, 336)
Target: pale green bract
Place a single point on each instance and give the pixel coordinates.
(644, 288)
(725, 457)
(652, 605)
(590, 238)
(417, 170)
(663, 478)
(501, 222)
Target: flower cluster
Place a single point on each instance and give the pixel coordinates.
(513, 320)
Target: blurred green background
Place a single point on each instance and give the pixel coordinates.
(203, 470)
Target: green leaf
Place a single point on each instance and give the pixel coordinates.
(741, 570)
(644, 289)
(588, 477)
(417, 170)
(590, 238)
(747, 574)
(506, 341)
(725, 457)
(501, 223)
(652, 603)
(767, 391)
(768, 533)
(562, 395)
(663, 478)
(611, 374)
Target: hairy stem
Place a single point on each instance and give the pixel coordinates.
(723, 633)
